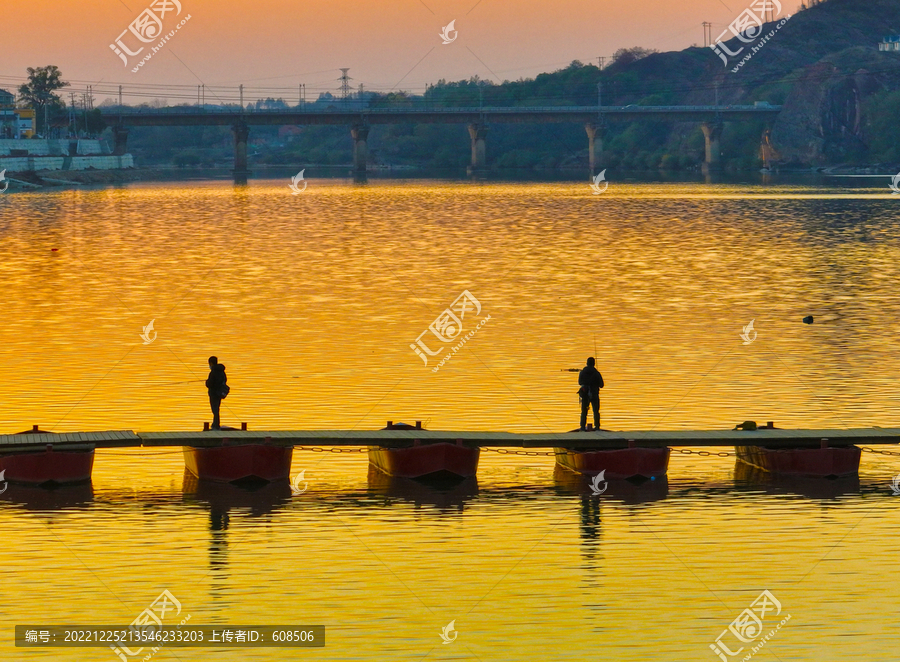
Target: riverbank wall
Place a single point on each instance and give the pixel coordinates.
(21, 155)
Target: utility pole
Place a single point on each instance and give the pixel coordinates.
(601, 62)
(707, 33)
(242, 97)
(203, 89)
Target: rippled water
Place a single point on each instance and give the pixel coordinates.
(312, 302)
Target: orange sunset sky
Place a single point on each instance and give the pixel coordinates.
(278, 44)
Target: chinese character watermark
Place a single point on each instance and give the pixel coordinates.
(448, 328)
(748, 627)
(748, 28)
(147, 29)
(149, 621)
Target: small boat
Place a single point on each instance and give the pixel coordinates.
(239, 463)
(830, 462)
(48, 467)
(629, 462)
(429, 461)
(825, 461)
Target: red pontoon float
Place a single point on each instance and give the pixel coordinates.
(240, 462)
(435, 461)
(826, 461)
(630, 462)
(48, 467)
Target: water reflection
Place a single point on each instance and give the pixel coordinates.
(813, 487)
(261, 500)
(629, 492)
(446, 496)
(61, 497)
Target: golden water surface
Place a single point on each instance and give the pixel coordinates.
(312, 302)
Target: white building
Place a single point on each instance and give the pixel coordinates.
(890, 43)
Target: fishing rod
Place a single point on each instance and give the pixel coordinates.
(579, 369)
(189, 381)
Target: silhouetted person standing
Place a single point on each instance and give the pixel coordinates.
(591, 381)
(217, 385)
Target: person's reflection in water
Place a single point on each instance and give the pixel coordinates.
(590, 527)
(592, 579)
(218, 543)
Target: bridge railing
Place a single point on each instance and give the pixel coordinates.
(487, 110)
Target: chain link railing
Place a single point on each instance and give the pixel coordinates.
(506, 451)
(879, 452)
(687, 451)
(334, 449)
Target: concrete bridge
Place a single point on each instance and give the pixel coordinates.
(595, 119)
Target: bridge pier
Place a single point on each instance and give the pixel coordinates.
(360, 133)
(478, 133)
(595, 133)
(120, 133)
(241, 134)
(712, 131)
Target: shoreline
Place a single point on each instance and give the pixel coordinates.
(55, 180)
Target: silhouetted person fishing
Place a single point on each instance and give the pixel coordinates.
(591, 381)
(217, 385)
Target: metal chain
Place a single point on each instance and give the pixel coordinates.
(506, 451)
(687, 451)
(872, 450)
(333, 449)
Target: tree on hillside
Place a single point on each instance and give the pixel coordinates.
(40, 92)
(629, 55)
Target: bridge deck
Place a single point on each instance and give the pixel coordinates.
(315, 115)
(403, 438)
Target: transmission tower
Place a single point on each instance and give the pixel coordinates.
(345, 83)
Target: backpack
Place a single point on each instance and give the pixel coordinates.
(226, 389)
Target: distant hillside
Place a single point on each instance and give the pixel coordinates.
(839, 91)
(841, 99)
